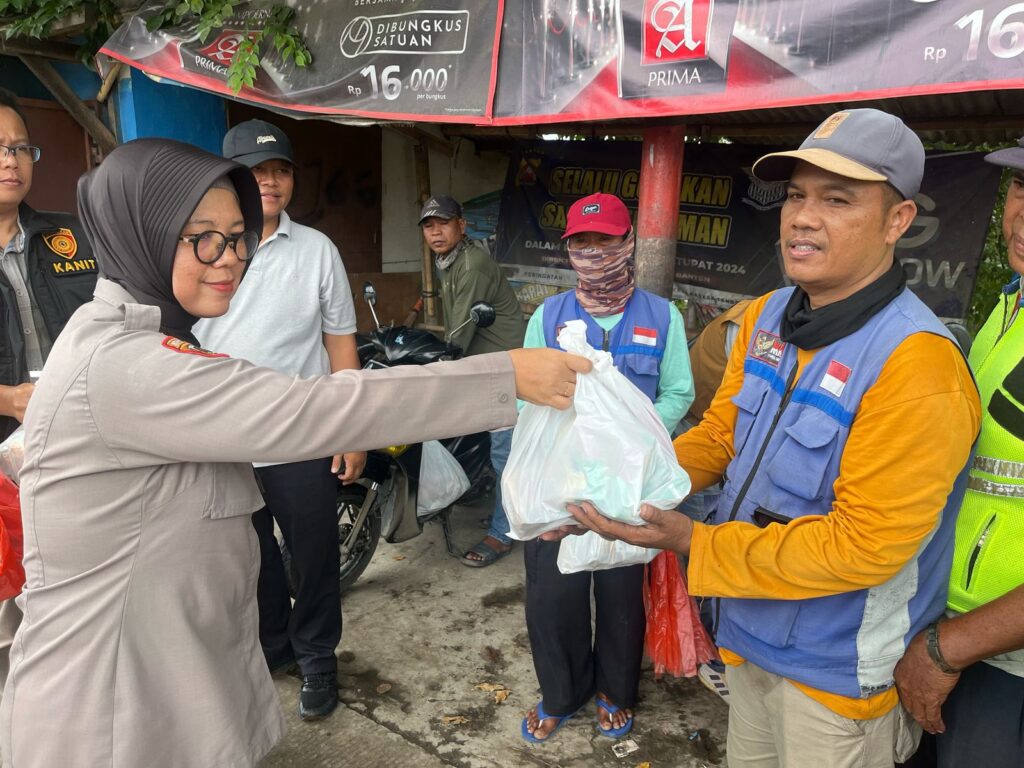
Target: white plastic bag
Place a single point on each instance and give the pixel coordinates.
(590, 552)
(609, 448)
(12, 454)
(442, 479)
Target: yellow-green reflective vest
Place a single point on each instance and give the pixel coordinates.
(988, 560)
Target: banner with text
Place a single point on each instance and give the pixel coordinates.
(513, 62)
(569, 60)
(728, 226)
(371, 58)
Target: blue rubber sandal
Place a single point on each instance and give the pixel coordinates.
(542, 715)
(611, 709)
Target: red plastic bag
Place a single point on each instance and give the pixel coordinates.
(12, 574)
(675, 639)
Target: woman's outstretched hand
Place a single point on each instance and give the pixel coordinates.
(547, 376)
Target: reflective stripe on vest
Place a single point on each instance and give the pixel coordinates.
(990, 526)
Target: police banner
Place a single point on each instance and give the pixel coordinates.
(571, 60)
(371, 58)
(728, 224)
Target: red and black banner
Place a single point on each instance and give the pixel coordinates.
(545, 61)
(381, 59)
(728, 224)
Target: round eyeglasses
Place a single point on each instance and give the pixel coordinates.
(209, 245)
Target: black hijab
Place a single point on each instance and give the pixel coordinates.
(134, 207)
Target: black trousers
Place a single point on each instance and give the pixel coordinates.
(302, 498)
(984, 717)
(572, 663)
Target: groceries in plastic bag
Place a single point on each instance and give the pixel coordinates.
(609, 448)
(591, 552)
(12, 454)
(675, 639)
(442, 479)
(12, 574)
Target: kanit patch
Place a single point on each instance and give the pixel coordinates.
(768, 348)
(177, 345)
(62, 242)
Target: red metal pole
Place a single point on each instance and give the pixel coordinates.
(657, 221)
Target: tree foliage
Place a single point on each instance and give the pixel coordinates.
(36, 18)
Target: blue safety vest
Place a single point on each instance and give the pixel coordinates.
(636, 343)
(789, 444)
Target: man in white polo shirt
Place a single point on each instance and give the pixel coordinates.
(293, 312)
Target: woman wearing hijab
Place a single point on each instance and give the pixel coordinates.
(645, 336)
(140, 642)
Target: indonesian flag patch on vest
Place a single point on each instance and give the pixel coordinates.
(646, 336)
(835, 378)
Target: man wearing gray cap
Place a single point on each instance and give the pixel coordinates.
(294, 313)
(468, 275)
(963, 677)
(842, 433)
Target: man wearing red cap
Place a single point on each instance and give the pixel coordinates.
(645, 336)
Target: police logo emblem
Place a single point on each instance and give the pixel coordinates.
(62, 242)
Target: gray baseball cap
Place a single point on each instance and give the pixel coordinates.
(1012, 157)
(441, 206)
(862, 144)
(256, 141)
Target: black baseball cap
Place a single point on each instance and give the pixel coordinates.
(441, 206)
(256, 141)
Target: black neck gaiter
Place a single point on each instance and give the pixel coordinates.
(814, 328)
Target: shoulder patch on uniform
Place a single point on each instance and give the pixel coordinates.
(178, 345)
(768, 348)
(62, 242)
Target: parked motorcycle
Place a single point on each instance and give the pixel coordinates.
(383, 502)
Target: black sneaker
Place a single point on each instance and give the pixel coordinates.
(319, 695)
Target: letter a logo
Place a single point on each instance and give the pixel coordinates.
(675, 30)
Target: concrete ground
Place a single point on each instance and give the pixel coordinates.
(435, 670)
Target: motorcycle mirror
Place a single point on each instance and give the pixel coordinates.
(369, 293)
(370, 296)
(482, 314)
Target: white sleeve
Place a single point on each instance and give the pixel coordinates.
(336, 308)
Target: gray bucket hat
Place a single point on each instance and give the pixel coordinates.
(862, 144)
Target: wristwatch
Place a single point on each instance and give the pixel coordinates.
(932, 641)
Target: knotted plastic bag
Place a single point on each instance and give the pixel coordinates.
(442, 479)
(675, 639)
(12, 574)
(609, 448)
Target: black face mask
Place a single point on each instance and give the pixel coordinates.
(814, 328)
(136, 203)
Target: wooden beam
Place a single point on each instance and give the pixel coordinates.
(62, 92)
(430, 314)
(49, 49)
(424, 137)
